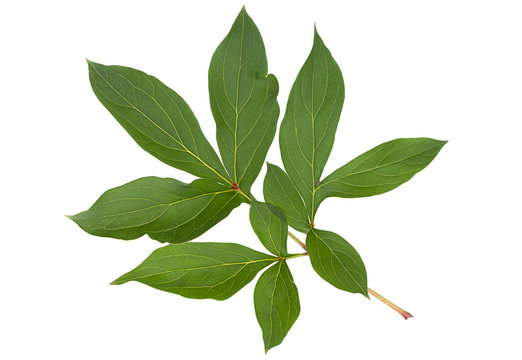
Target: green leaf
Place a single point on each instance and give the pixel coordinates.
(336, 261)
(243, 101)
(381, 169)
(199, 270)
(308, 128)
(279, 190)
(157, 118)
(269, 224)
(167, 210)
(276, 301)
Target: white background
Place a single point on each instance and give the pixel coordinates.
(446, 246)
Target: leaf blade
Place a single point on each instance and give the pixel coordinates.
(279, 190)
(240, 90)
(199, 270)
(308, 127)
(166, 209)
(336, 261)
(276, 298)
(380, 169)
(270, 225)
(157, 118)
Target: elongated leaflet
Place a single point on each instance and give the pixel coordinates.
(167, 210)
(199, 270)
(243, 101)
(308, 128)
(157, 118)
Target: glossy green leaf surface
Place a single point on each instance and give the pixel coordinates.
(157, 118)
(276, 302)
(336, 261)
(199, 270)
(270, 225)
(279, 190)
(381, 169)
(167, 210)
(308, 128)
(243, 101)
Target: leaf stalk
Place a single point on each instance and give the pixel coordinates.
(245, 195)
(297, 241)
(294, 256)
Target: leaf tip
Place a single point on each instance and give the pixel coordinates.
(71, 217)
(440, 143)
(318, 41)
(119, 281)
(91, 63)
(317, 38)
(267, 347)
(243, 11)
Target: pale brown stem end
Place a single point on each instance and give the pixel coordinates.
(406, 315)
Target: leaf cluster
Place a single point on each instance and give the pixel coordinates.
(243, 99)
